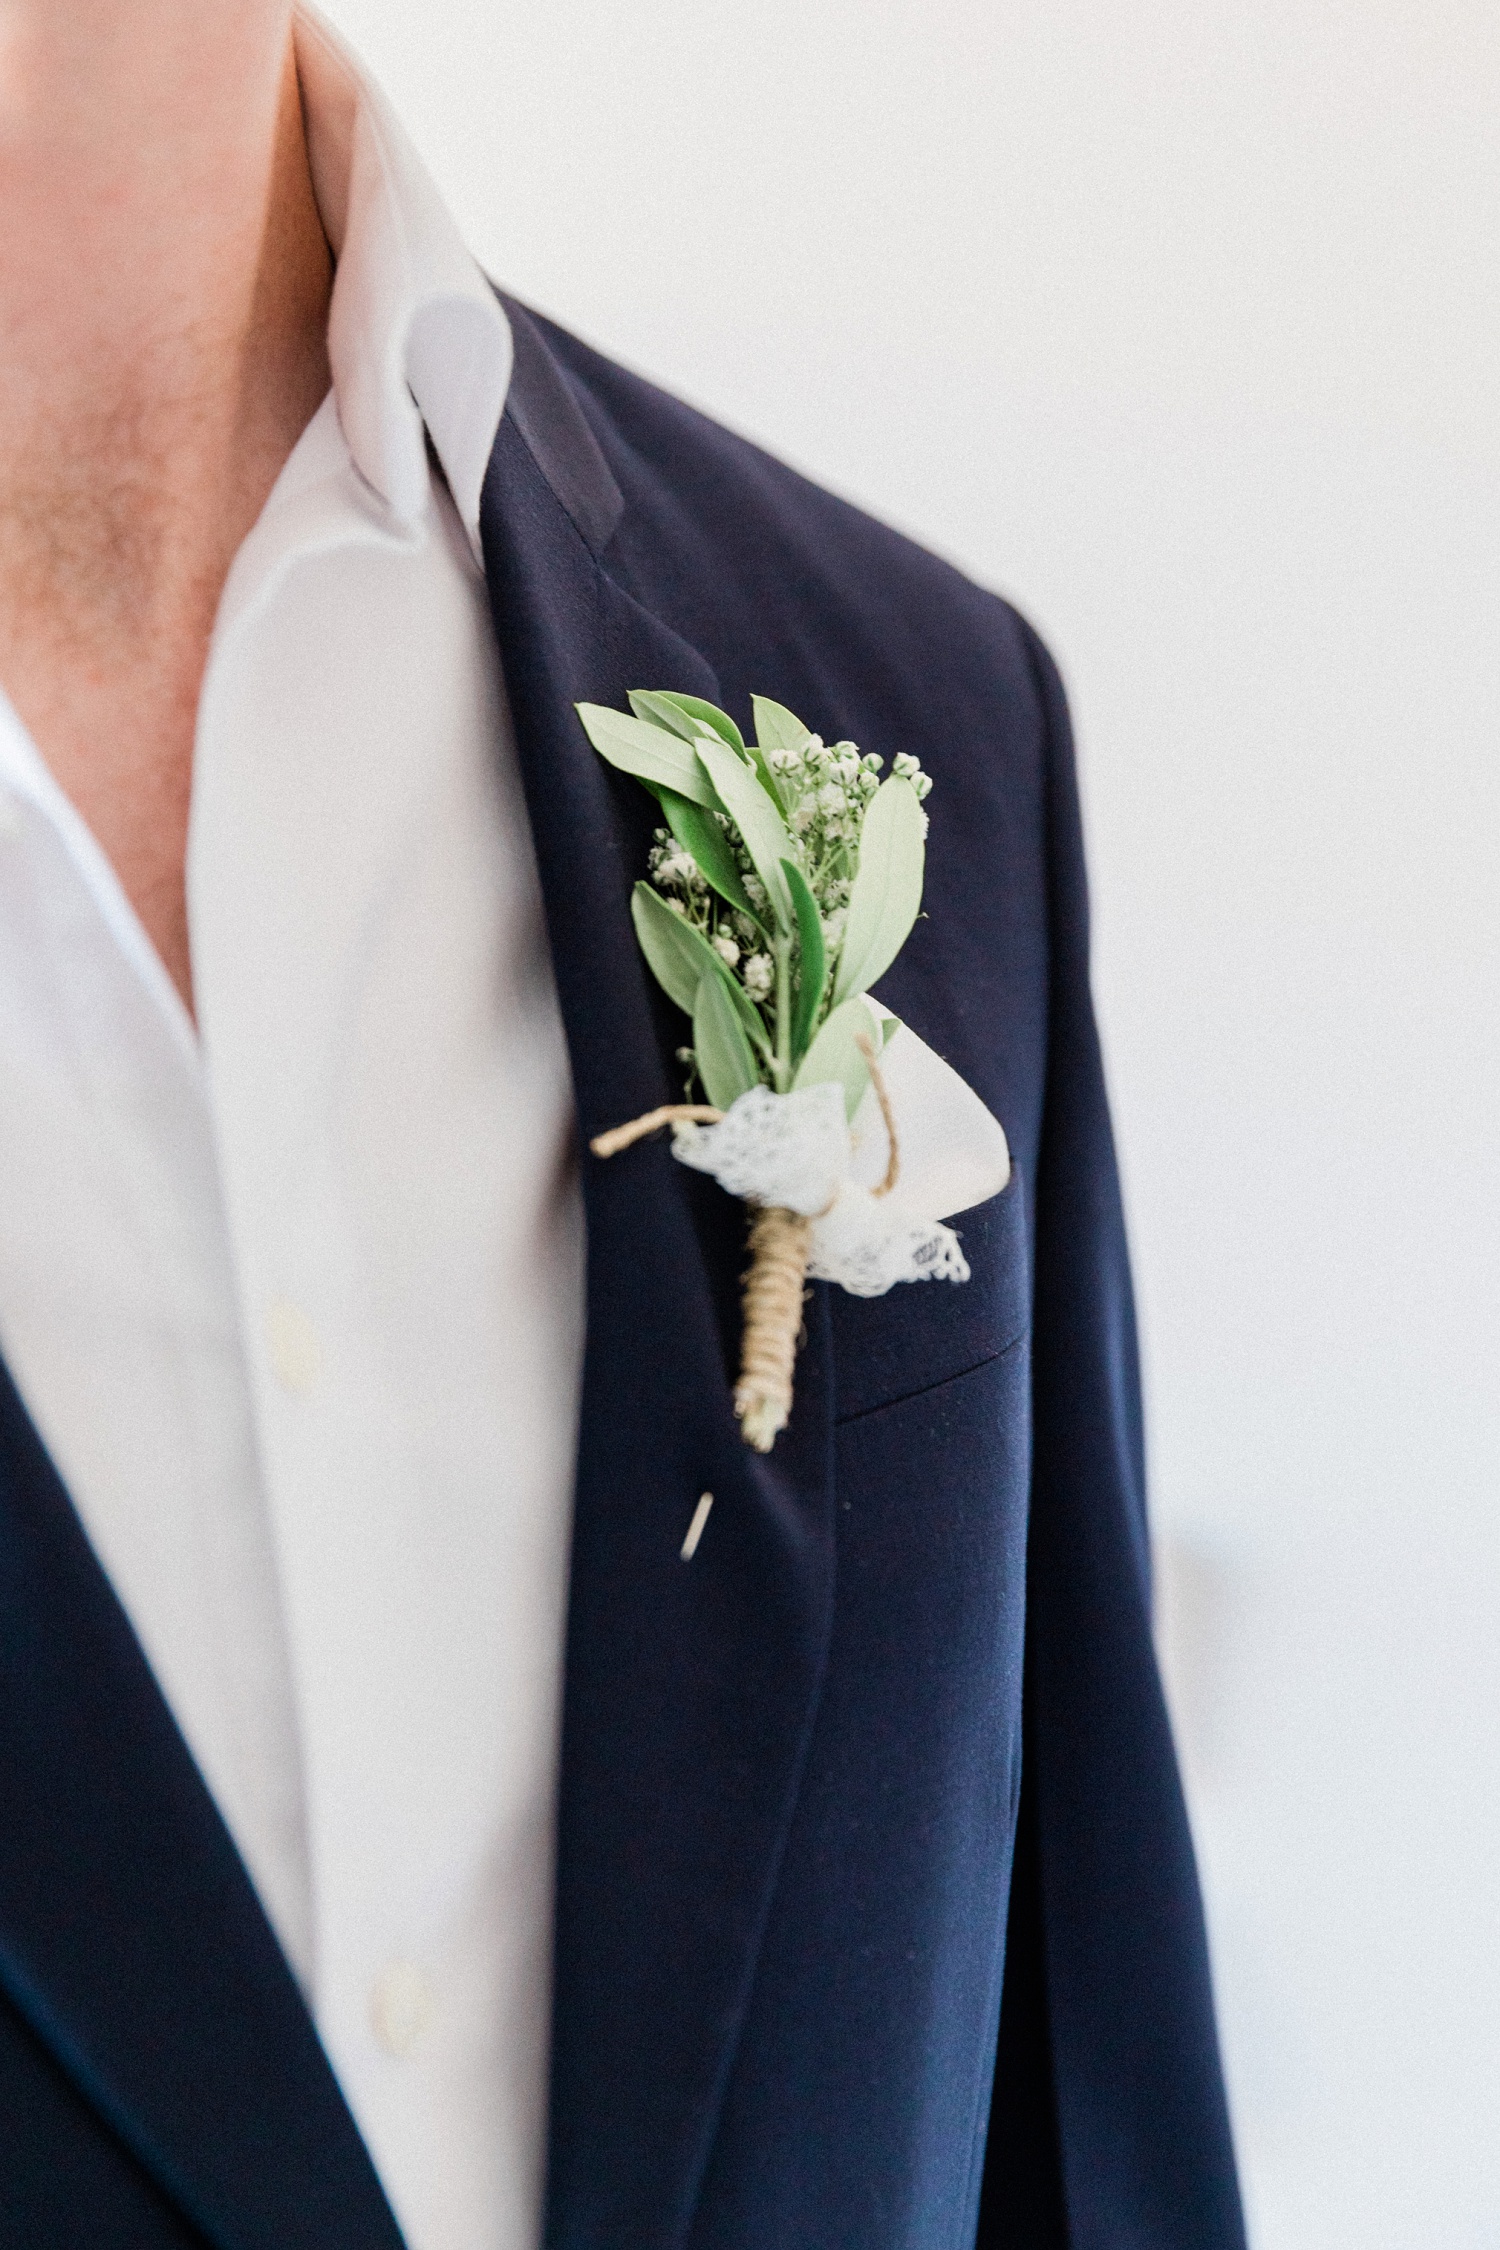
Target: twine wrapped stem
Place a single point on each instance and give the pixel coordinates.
(776, 1283)
(779, 1245)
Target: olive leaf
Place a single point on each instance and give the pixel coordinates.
(690, 717)
(777, 728)
(835, 1056)
(681, 959)
(757, 816)
(685, 715)
(699, 833)
(887, 889)
(649, 753)
(812, 971)
(720, 1048)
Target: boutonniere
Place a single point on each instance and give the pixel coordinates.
(783, 883)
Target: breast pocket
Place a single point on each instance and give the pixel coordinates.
(925, 1332)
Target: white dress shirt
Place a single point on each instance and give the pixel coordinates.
(296, 1301)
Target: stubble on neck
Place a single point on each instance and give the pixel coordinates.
(164, 285)
(163, 292)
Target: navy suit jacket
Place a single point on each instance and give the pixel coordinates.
(877, 1923)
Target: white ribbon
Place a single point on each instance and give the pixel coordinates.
(795, 1152)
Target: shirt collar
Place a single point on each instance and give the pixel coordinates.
(417, 342)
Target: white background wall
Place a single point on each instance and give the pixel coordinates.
(1177, 322)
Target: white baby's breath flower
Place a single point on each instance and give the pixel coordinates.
(830, 798)
(833, 927)
(802, 819)
(726, 949)
(675, 905)
(758, 975)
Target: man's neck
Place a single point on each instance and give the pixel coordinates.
(164, 286)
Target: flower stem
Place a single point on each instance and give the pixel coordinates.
(783, 1063)
(774, 1287)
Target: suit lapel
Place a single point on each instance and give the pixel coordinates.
(130, 1937)
(690, 1686)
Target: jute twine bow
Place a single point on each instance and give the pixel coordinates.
(776, 1284)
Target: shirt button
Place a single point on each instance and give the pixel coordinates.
(401, 2007)
(292, 1341)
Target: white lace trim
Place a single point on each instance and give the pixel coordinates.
(789, 1151)
(794, 1152)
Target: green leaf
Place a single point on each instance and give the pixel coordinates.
(674, 950)
(755, 814)
(699, 833)
(648, 753)
(725, 1063)
(887, 887)
(680, 957)
(812, 968)
(767, 779)
(834, 1056)
(777, 728)
(685, 715)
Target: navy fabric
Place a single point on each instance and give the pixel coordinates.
(161, 2082)
(799, 2003)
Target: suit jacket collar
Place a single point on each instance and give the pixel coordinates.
(690, 1688)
